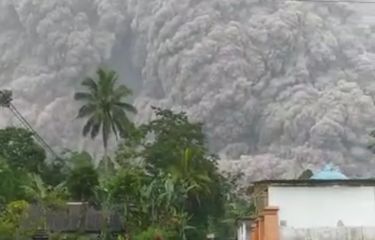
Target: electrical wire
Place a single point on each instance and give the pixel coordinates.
(6, 102)
(27, 125)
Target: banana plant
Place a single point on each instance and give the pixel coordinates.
(44, 196)
(190, 175)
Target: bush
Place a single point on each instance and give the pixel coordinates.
(11, 218)
(82, 182)
(154, 233)
(69, 237)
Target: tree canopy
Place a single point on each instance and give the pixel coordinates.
(20, 150)
(166, 184)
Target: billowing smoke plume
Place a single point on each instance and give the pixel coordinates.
(280, 85)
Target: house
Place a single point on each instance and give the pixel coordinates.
(326, 206)
(75, 217)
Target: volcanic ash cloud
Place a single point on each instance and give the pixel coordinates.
(284, 85)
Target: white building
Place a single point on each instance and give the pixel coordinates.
(326, 204)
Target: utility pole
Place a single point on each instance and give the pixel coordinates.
(6, 97)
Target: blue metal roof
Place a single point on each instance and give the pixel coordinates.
(329, 172)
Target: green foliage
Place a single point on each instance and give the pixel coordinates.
(11, 220)
(184, 184)
(46, 196)
(172, 133)
(189, 173)
(154, 233)
(122, 193)
(166, 175)
(236, 206)
(15, 210)
(130, 152)
(81, 183)
(59, 236)
(125, 184)
(104, 106)
(20, 151)
(78, 159)
(82, 179)
(56, 171)
(11, 183)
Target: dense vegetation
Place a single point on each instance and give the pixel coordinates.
(162, 178)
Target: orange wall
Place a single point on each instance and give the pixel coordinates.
(266, 226)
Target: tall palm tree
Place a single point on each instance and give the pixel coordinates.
(104, 107)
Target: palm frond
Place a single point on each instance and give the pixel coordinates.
(119, 114)
(79, 96)
(105, 81)
(121, 92)
(120, 119)
(112, 77)
(204, 178)
(36, 188)
(88, 126)
(127, 107)
(101, 72)
(121, 124)
(61, 187)
(90, 84)
(96, 127)
(105, 105)
(86, 110)
(114, 128)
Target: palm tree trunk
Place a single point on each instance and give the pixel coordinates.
(106, 160)
(105, 145)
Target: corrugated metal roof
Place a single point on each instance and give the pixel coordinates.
(68, 219)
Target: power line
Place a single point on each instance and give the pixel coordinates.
(333, 1)
(27, 125)
(6, 101)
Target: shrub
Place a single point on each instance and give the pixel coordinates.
(154, 233)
